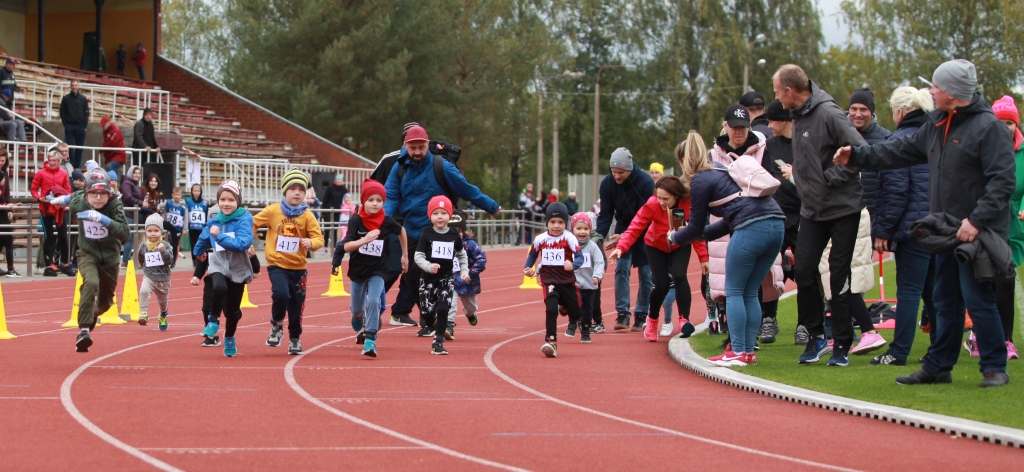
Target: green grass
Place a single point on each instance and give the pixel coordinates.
(963, 398)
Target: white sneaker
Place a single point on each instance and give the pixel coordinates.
(666, 329)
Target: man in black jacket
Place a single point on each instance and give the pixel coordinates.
(144, 134)
(622, 193)
(970, 157)
(7, 80)
(74, 114)
(831, 200)
(862, 115)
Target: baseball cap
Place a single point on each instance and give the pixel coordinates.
(752, 99)
(737, 116)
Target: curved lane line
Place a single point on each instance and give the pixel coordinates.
(488, 359)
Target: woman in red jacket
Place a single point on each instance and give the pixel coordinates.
(668, 262)
(52, 180)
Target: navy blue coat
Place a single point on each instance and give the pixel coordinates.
(714, 185)
(902, 194)
(623, 201)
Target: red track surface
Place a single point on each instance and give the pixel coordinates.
(143, 398)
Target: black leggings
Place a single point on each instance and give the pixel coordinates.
(7, 242)
(175, 237)
(1004, 302)
(193, 237)
(666, 268)
(227, 299)
(55, 243)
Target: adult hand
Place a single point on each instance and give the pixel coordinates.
(334, 270)
(214, 231)
(405, 263)
(967, 232)
(495, 214)
(149, 148)
(881, 245)
(434, 268)
(567, 265)
(705, 268)
(201, 257)
(842, 156)
(529, 272)
(1020, 216)
(306, 243)
(787, 171)
(614, 255)
(612, 242)
(194, 281)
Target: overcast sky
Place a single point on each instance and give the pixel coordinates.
(835, 31)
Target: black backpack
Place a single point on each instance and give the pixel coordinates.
(442, 152)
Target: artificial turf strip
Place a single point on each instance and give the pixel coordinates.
(863, 381)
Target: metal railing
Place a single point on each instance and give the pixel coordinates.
(157, 100)
(260, 179)
(25, 159)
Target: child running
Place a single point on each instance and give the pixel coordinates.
(154, 256)
(196, 207)
(588, 276)
(560, 255)
(230, 235)
(291, 231)
(477, 263)
(435, 255)
(199, 274)
(104, 230)
(174, 211)
(367, 239)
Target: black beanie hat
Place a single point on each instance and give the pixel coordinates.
(557, 210)
(776, 112)
(864, 97)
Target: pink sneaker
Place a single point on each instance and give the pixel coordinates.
(868, 342)
(651, 330)
(729, 359)
(971, 344)
(1011, 351)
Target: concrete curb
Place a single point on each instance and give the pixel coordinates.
(680, 351)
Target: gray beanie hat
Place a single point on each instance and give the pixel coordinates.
(622, 159)
(958, 78)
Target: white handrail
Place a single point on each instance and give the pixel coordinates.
(33, 123)
(260, 179)
(28, 158)
(144, 98)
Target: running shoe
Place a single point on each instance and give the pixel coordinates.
(401, 320)
(13, 273)
(922, 377)
(50, 271)
(473, 319)
(163, 323)
(229, 347)
(276, 333)
(769, 329)
(622, 322)
(725, 344)
(294, 346)
(437, 349)
(83, 341)
(68, 271)
(1011, 351)
(143, 319)
(686, 328)
(570, 330)
(729, 359)
(840, 358)
(868, 342)
(639, 321)
(211, 342)
(666, 329)
(211, 329)
(596, 329)
(816, 348)
(370, 348)
(971, 344)
(585, 337)
(995, 379)
(425, 331)
(449, 332)
(357, 323)
(751, 358)
(550, 349)
(651, 329)
(887, 359)
(801, 337)
(361, 337)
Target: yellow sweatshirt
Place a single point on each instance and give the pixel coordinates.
(283, 248)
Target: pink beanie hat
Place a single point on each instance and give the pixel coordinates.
(1005, 109)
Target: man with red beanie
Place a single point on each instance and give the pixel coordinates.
(408, 197)
(112, 138)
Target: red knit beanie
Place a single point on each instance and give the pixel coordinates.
(1005, 109)
(439, 202)
(372, 187)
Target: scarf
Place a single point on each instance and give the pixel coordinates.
(151, 246)
(371, 222)
(222, 218)
(293, 211)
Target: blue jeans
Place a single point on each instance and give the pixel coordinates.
(912, 266)
(366, 301)
(623, 268)
(752, 251)
(670, 299)
(113, 166)
(126, 251)
(74, 135)
(956, 288)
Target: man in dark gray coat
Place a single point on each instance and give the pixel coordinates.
(970, 158)
(832, 199)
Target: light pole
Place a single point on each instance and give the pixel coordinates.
(540, 129)
(597, 122)
(760, 38)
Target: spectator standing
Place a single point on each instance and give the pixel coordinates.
(74, 115)
(862, 115)
(122, 59)
(1006, 111)
(623, 192)
(52, 181)
(6, 215)
(572, 204)
(112, 138)
(140, 60)
(132, 196)
(754, 102)
(964, 135)
(144, 135)
(334, 199)
(832, 198)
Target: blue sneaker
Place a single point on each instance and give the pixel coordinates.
(370, 348)
(816, 348)
(357, 323)
(211, 329)
(229, 347)
(840, 358)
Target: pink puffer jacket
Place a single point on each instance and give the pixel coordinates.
(774, 284)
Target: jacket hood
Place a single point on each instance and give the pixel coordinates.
(128, 175)
(914, 119)
(818, 96)
(959, 114)
(722, 142)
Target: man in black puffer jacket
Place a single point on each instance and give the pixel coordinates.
(862, 115)
(970, 157)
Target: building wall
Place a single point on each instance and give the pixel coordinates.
(12, 33)
(66, 22)
(200, 92)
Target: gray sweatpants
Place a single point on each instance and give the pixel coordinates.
(162, 290)
(469, 307)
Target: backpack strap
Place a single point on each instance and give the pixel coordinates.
(725, 200)
(438, 175)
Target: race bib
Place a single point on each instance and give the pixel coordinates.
(373, 248)
(94, 230)
(218, 247)
(197, 217)
(175, 219)
(154, 259)
(456, 267)
(287, 245)
(552, 257)
(441, 250)
(586, 261)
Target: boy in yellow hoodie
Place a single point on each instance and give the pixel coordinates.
(292, 229)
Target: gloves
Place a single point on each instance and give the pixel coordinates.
(59, 201)
(94, 216)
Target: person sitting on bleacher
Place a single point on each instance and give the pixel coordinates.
(14, 127)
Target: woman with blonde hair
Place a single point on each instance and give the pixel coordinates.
(757, 226)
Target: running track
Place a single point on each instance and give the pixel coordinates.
(144, 399)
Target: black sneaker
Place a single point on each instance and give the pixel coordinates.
(13, 273)
(570, 331)
(402, 320)
(361, 337)
(425, 332)
(449, 332)
(49, 272)
(68, 271)
(769, 329)
(294, 346)
(639, 321)
(725, 344)
(83, 342)
(585, 337)
(887, 359)
(924, 377)
(210, 342)
(438, 349)
(473, 319)
(995, 379)
(622, 322)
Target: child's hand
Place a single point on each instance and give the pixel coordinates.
(405, 263)
(371, 236)
(465, 279)
(160, 247)
(194, 281)
(595, 280)
(334, 270)
(529, 272)
(434, 268)
(214, 231)
(306, 243)
(252, 251)
(567, 265)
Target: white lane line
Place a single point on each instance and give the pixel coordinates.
(225, 450)
(489, 361)
(432, 399)
(289, 376)
(29, 398)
